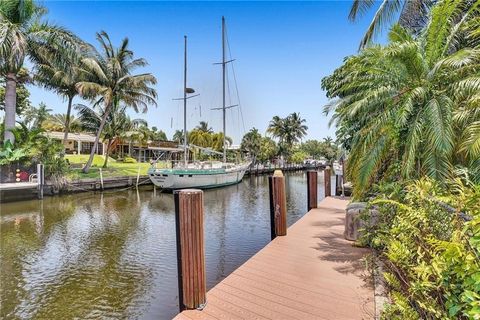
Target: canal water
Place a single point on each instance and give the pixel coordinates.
(112, 255)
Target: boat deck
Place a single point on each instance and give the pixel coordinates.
(312, 273)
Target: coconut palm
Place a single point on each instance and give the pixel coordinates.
(117, 124)
(35, 117)
(411, 14)
(251, 143)
(110, 82)
(60, 122)
(200, 138)
(203, 126)
(63, 80)
(158, 135)
(413, 101)
(276, 128)
(25, 34)
(295, 128)
(178, 136)
(217, 141)
(138, 123)
(288, 130)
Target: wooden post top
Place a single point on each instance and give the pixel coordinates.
(188, 191)
(278, 173)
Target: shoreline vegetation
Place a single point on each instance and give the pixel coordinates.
(406, 112)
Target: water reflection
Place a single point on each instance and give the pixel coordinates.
(112, 255)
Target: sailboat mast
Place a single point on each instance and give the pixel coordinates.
(223, 78)
(185, 104)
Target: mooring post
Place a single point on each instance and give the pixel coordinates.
(190, 249)
(40, 179)
(101, 178)
(327, 181)
(278, 204)
(312, 198)
(138, 176)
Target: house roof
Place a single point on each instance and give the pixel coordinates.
(166, 149)
(83, 137)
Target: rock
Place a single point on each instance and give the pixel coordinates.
(354, 222)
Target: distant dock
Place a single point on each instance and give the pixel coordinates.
(311, 273)
(260, 169)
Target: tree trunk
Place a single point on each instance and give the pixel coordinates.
(67, 122)
(97, 138)
(130, 149)
(107, 152)
(10, 106)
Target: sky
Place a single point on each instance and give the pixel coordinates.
(282, 50)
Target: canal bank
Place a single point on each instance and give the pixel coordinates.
(24, 191)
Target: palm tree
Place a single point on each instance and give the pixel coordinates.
(63, 80)
(142, 136)
(276, 128)
(117, 123)
(158, 135)
(217, 141)
(110, 82)
(178, 136)
(288, 130)
(35, 117)
(251, 143)
(203, 126)
(138, 123)
(411, 104)
(60, 122)
(413, 15)
(200, 138)
(295, 128)
(24, 34)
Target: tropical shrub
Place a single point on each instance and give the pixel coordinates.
(298, 156)
(31, 147)
(10, 155)
(430, 239)
(412, 102)
(129, 160)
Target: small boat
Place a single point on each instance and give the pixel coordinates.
(202, 175)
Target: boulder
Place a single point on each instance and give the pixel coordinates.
(354, 222)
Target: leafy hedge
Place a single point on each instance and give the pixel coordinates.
(430, 239)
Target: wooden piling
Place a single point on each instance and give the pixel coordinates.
(312, 187)
(101, 177)
(278, 204)
(327, 181)
(190, 249)
(40, 179)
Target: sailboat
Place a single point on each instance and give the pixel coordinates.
(201, 175)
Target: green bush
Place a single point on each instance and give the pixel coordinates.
(129, 160)
(430, 239)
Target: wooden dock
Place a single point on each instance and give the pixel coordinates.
(260, 169)
(312, 273)
(18, 185)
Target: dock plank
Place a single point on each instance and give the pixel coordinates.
(312, 273)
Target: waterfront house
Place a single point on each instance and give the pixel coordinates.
(78, 143)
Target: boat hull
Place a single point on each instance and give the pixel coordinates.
(171, 179)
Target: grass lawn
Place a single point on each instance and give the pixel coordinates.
(114, 168)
